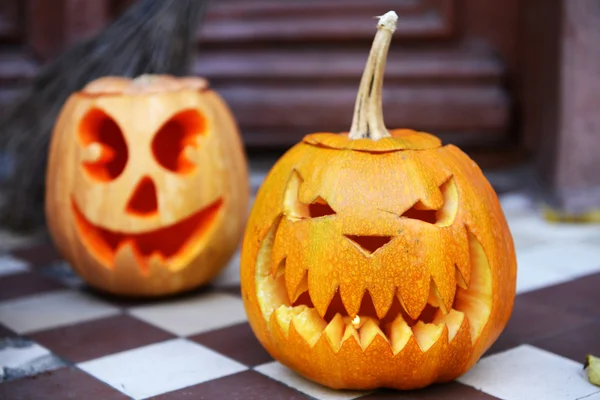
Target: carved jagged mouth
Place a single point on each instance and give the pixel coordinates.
(168, 244)
(468, 315)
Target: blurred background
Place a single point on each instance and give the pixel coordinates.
(516, 84)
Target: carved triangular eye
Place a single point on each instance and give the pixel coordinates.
(441, 217)
(416, 212)
(296, 209)
(319, 208)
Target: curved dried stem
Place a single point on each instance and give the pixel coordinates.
(368, 115)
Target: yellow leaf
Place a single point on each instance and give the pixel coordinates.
(593, 366)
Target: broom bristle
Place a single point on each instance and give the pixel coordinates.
(150, 37)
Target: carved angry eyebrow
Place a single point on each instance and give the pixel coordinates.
(445, 215)
(295, 209)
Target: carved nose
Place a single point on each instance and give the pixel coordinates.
(369, 244)
(143, 201)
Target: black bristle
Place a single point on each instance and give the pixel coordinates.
(150, 37)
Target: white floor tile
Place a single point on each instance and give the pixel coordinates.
(517, 204)
(535, 225)
(550, 264)
(10, 265)
(280, 373)
(595, 396)
(188, 316)
(526, 373)
(593, 240)
(51, 310)
(19, 357)
(160, 368)
(230, 276)
(536, 276)
(525, 241)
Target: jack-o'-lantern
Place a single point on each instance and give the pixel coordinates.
(375, 258)
(147, 188)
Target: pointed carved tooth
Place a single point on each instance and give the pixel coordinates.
(453, 320)
(295, 277)
(382, 297)
(278, 269)
(460, 281)
(368, 331)
(444, 282)
(463, 277)
(400, 334)
(414, 306)
(435, 299)
(280, 243)
(352, 299)
(321, 293)
(125, 260)
(128, 252)
(350, 332)
(462, 258)
(302, 287)
(284, 315)
(335, 332)
(309, 325)
(413, 290)
(427, 334)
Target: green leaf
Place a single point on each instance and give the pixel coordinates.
(593, 366)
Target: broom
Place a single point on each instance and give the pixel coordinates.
(151, 36)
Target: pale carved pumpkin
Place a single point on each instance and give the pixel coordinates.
(147, 188)
(375, 258)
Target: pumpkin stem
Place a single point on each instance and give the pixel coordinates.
(368, 115)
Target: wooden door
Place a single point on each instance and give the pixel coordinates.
(291, 67)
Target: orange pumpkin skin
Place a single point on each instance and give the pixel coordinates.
(146, 187)
(444, 229)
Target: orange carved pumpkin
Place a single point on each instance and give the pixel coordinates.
(375, 258)
(147, 188)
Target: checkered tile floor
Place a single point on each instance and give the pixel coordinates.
(60, 340)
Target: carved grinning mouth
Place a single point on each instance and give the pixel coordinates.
(168, 244)
(293, 304)
(471, 307)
